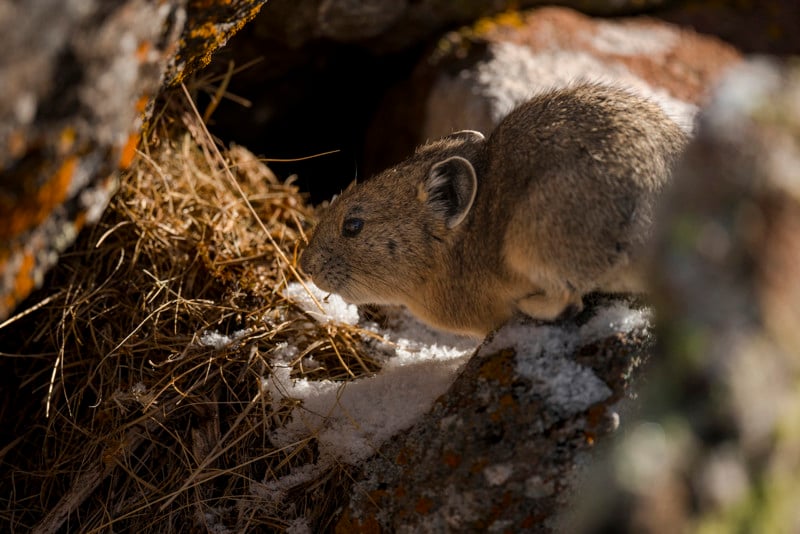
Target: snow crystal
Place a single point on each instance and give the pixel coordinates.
(298, 526)
(497, 474)
(616, 318)
(212, 338)
(273, 491)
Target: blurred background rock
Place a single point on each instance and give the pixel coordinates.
(717, 445)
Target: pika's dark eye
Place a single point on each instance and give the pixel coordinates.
(352, 226)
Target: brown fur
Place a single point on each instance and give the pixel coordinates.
(563, 196)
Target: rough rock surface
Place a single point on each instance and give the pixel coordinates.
(209, 25)
(498, 451)
(386, 25)
(475, 76)
(718, 446)
(78, 78)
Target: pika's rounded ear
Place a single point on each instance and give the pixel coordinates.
(473, 136)
(449, 189)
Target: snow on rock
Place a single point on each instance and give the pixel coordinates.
(486, 437)
(351, 420)
(499, 450)
(541, 354)
(474, 78)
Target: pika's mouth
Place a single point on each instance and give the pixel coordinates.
(321, 283)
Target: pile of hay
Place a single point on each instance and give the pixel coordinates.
(132, 395)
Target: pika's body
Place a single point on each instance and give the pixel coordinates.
(555, 204)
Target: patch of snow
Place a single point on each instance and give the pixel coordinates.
(628, 40)
(497, 474)
(273, 490)
(515, 74)
(351, 420)
(615, 319)
(284, 352)
(298, 526)
(540, 351)
(212, 338)
(743, 88)
(310, 298)
(540, 357)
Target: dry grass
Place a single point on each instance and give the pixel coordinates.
(114, 414)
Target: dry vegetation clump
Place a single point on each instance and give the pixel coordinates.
(132, 394)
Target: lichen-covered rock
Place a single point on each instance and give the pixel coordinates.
(209, 25)
(718, 446)
(78, 78)
(476, 75)
(498, 451)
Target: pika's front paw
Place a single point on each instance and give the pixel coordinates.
(551, 306)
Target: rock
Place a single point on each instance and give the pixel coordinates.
(209, 25)
(499, 450)
(78, 80)
(768, 27)
(475, 76)
(391, 25)
(718, 445)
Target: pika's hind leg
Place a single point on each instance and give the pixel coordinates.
(551, 305)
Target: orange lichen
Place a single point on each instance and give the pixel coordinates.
(23, 281)
(402, 458)
(487, 25)
(129, 151)
(141, 104)
(479, 465)
(499, 367)
(423, 506)
(79, 221)
(206, 36)
(142, 50)
(22, 214)
(55, 191)
(349, 525)
(595, 415)
(505, 403)
(451, 459)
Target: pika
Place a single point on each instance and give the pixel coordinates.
(467, 231)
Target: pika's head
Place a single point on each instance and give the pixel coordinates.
(380, 240)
